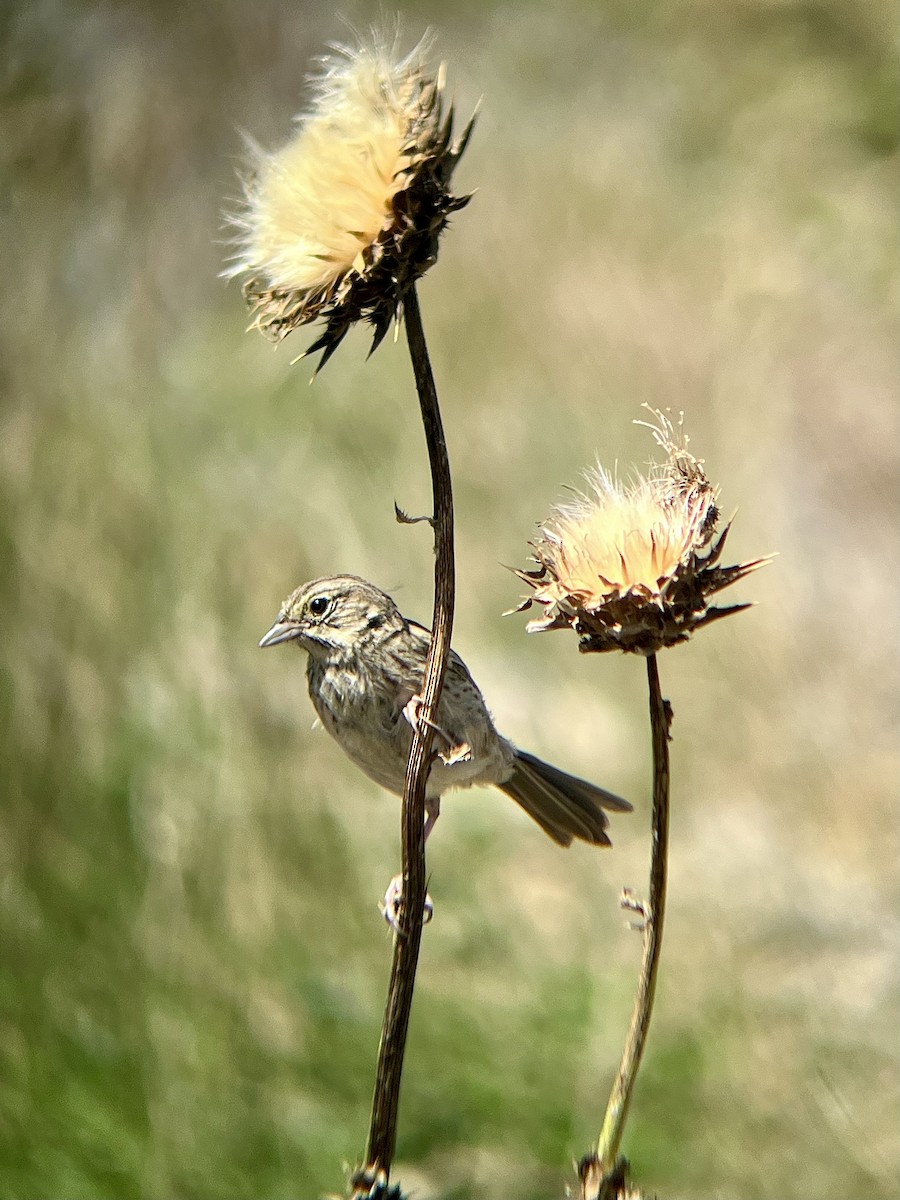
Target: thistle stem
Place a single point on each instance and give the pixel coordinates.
(601, 1173)
(383, 1125)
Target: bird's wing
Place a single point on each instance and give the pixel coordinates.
(423, 641)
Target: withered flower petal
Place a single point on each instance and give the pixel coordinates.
(340, 223)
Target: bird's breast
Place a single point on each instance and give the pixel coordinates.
(364, 718)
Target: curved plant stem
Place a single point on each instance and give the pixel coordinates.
(383, 1126)
(602, 1173)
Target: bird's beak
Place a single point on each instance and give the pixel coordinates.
(281, 631)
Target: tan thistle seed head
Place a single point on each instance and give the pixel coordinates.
(633, 567)
(341, 222)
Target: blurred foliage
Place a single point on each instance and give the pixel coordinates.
(679, 203)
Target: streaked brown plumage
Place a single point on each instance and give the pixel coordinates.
(364, 669)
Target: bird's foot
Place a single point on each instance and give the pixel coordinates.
(393, 900)
(413, 712)
(455, 754)
(455, 751)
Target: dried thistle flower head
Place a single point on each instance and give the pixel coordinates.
(633, 567)
(341, 221)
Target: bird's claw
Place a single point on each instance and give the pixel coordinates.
(393, 900)
(455, 751)
(456, 754)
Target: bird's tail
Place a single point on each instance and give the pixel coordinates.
(564, 806)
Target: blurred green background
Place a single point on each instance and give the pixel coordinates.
(684, 204)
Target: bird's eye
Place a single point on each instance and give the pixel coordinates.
(318, 605)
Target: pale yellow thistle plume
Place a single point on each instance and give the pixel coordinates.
(633, 566)
(341, 222)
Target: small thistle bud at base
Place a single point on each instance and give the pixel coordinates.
(633, 567)
(340, 223)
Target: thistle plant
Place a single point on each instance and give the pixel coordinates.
(337, 227)
(633, 567)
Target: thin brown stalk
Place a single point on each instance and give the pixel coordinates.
(383, 1126)
(602, 1173)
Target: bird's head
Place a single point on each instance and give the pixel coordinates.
(334, 618)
